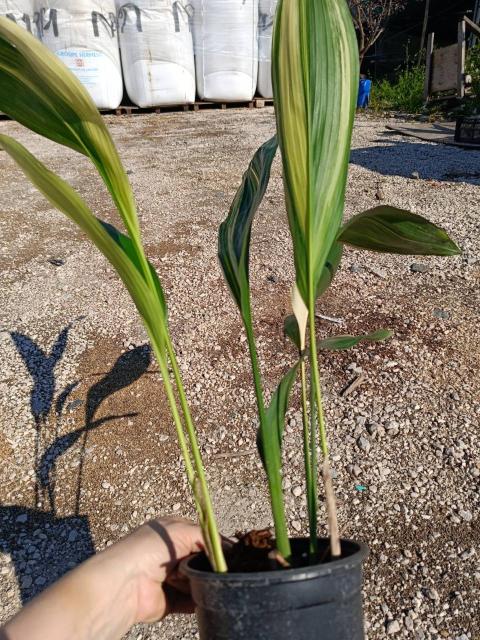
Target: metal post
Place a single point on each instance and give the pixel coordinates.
(428, 66)
(461, 60)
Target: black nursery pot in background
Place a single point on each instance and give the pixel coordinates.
(319, 602)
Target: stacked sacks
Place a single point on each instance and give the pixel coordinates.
(19, 11)
(265, 26)
(157, 51)
(83, 34)
(226, 49)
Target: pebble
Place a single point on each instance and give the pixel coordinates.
(26, 582)
(467, 554)
(177, 506)
(297, 525)
(364, 444)
(466, 515)
(297, 491)
(418, 267)
(72, 536)
(408, 622)
(432, 594)
(380, 273)
(22, 518)
(441, 314)
(393, 627)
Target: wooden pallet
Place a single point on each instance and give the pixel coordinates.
(132, 110)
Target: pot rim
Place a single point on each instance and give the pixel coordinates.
(283, 575)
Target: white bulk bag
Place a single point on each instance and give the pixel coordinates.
(157, 51)
(83, 34)
(266, 10)
(226, 49)
(19, 11)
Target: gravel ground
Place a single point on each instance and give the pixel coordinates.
(87, 447)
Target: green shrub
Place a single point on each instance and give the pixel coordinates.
(473, 69)
(404, 94)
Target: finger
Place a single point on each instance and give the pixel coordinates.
(181, 537)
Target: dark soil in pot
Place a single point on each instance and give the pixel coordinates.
(306, 602)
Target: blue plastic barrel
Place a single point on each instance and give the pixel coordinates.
(364, 93)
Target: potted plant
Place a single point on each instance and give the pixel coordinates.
(267, 585)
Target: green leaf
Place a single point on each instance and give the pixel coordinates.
(340, 343)
(391, 230)
(291, 330)
(275, 414)
(235, 231)
(290, 324)
(116, 247)
(330, 269)
(127, 245)
(40, 92)
(315, 81)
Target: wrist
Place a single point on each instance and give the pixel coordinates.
(113, 584)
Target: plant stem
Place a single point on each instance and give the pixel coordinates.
(215, 540)
(310, 479)
(194, 468)
(271, 450)
(330, 497)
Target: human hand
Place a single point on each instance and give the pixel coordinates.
(134, 580)
(151, 556)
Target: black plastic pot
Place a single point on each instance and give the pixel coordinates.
(319, 602)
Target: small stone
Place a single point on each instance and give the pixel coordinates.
(296, 525)
(415, 175)
(105, 484)
(380, 195)
(441, 314)
(297, 491)
(355, 268)
(22, 518)
(408, 622)
(363, 444)
(72, 536)
(177, 506)
(418, 267)
(372, 428)
(466, 515)
(27, 582)
(380, 273)
(393, 627)
(40, 581)
(432, 594)
(74, 404)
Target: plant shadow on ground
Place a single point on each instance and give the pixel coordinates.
(43, 545)
(431, 161)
